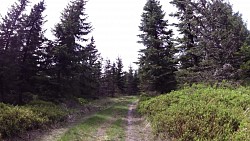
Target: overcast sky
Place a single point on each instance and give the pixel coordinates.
(115, 23)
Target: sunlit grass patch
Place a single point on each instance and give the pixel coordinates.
(117, 130)
(114, 115)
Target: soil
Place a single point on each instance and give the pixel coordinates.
(138, 128)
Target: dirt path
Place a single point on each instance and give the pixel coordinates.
(101, 132)
(135, 127)
(138, 129)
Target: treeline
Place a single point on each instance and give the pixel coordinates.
(212, 44)
(33, 66)
(115, 81)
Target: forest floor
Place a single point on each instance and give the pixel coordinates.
(117, 120)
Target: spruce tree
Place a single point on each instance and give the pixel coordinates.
(156, 63)
(131, 83)
(136, 82)
(94, 67)
(218, 35)
(227, 34)
(119, 76)
(32, 40)
(10, 46)
(70, 58)
(190, 54)
(112, 81)
(108, 79)
(245, 59)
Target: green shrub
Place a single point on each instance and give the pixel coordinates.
(144, 97)
(48, 110)
(200, 113)
(14, 120)
(82, 101)
(17, 119)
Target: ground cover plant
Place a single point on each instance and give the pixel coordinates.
(200, 112)
(37, 114)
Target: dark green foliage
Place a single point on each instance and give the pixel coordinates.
(245, 66)
(31, 50)
(132, 82)
(69, 56)
(48, 110)
(156, 62)
(107, 80)
(212, 36)
(91, 76)
(82, 101)
(187, 45)
(200, 112)
(15, 120)
(21, 41)
(37, 114)
(228, 34)
(120, 80)
(10, 47)
(114, 79)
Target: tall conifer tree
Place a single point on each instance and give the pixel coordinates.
(213, 34)
(120, 76)
(33, 38)
(10, 46)
(70, 58)
(94, 67)
(156, 62)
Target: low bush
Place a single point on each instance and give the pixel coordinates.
(200, 112)
(82, 101)
(48, 110)
(36, 114)
(14, 120)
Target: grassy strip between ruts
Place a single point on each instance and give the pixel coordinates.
(116, 131)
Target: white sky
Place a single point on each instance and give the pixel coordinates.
(115, 23)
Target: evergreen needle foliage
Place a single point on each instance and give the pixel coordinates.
(156, 62)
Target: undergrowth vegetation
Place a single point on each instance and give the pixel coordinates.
(200, 112)
(36, 114)
(48, 110)
(14, 119)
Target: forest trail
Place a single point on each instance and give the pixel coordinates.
(119, 121)
(138, 129)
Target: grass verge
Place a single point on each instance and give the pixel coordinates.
(116, 132)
